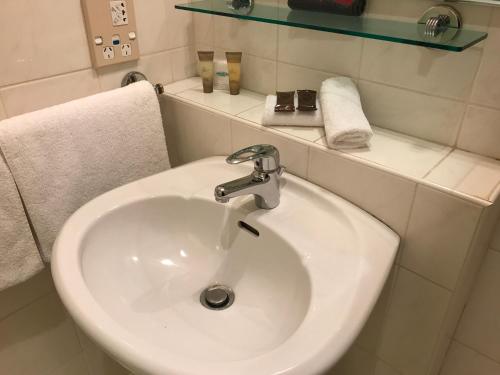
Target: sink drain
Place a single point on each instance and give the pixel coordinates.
(217, 297)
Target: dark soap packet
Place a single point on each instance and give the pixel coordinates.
(307, 100)
(285, 101)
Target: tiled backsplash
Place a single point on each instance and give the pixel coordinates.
(45, 61)
(45, 58)
(446, 97)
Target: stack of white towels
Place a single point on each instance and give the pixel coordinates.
(55, 160)
(339, 111)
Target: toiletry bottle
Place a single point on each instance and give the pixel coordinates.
(234, 69)
(206, 69)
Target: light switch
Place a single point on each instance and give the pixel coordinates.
(98, 40)
(119, 13)
(131, 35)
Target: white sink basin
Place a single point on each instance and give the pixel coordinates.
(131, 264)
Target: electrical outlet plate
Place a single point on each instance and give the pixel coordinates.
(110, 25)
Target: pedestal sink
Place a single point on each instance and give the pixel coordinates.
(131, 267)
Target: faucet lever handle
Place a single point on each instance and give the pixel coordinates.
(266, 157)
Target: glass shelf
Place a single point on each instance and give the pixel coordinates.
(451, 39)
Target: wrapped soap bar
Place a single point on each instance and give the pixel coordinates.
(345, 7)
(221, 76)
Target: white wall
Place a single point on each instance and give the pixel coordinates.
(44, 60)
(447, 97)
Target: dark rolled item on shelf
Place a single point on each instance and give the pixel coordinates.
(344, 7)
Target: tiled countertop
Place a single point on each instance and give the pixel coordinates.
(468, 175)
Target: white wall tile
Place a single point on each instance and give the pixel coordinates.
(480, 324)
(495, 241)
(411, 113)
(152, 30)
(38, 339)
(193, 133)
(204, 29)
(258, 74)
(254, 38)
(486, 90)
(36, 41)
(339, 54)
(2, 111)
(293, 154)
(179, 25)
(98, 362)
(386, 196)
(30, 96)
(156, 67)
(21, 295)
(292, 77)
(75, 366)
(480, 131)
(412, 323)
(465, 361)
(355, 362)
(432, 71)
(184, 62)
(439, 235)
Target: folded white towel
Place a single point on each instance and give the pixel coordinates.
(64, 156)
(345, 123)
(19, 256)
(297, 118)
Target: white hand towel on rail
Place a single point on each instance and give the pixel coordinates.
(19, 256)
(345, 123)
(63, 156)
(297, 118)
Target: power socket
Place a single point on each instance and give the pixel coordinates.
(119, 13)
(126, 49)
(108, 53)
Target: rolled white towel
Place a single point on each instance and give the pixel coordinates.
(345, 123)
(297, 118)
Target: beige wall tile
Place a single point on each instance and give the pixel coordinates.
(179, 25)
(339, 54)
(355, 362)
(486, 89)
(495, 241)
(38, 339)
(291, 77)
(439, 235)
(184, 62)
(194, 133)
(27, 97)
(152, 25)
(384, 195)
(412, 324)
(156, 67)
(254, 38)
(258, 74)
(480, 325)
(204, 29)
(98, 362)
(36, 41)
(75, 366)
(293, 154)
(2, 111)
(382, 368)
(21, 295)
(480, 131)
(370, 335)
(408, 112)
(465, 361)
(428, 70)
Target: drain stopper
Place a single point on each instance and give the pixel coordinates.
(217, 297)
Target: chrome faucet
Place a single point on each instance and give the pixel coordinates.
(263, 182)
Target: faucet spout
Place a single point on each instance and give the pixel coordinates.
(263, 182)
